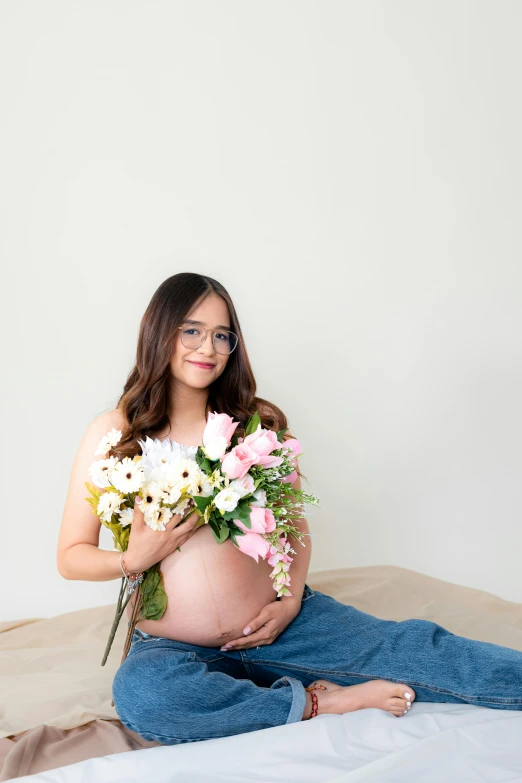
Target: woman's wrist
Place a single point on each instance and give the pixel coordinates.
(128, 565)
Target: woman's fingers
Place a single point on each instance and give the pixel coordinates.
(174, 522)
(138, 513)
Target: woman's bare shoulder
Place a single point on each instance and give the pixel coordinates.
(105, 422)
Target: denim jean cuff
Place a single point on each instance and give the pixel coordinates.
(298, 700)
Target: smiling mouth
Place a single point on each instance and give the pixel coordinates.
(201, 364)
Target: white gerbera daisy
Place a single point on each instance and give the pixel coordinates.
(185, 472)
(151, 494)
(126, 516)
(128, 476)
(108, 441)
(152, 517)
(155, 452)
(196, 482)
(164, 514)
(202, 486)
(181, 506)
(101, 470)
(171, 494)
(108, 504)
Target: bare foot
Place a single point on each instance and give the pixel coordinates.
(338, 699)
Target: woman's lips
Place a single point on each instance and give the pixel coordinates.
(202, 365)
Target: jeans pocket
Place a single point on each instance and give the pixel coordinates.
(307, 593)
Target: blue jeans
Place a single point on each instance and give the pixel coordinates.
(175, 692)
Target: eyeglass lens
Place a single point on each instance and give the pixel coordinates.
(194, 336)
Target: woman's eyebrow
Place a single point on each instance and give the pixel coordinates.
(200, 323)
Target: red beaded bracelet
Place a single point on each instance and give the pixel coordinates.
(310, 690)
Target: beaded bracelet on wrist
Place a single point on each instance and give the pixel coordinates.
(133, 580)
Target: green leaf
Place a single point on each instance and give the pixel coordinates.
(154, 596)
(252, 424)
(239, 513)
(206, 465)
(202, 502)
(203, 463)
(280, 434)
(217, 535)
(223, 534)
(234, 532)
(214, 526)
(157, 604)
(95, 496)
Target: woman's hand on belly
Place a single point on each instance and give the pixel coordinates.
(266, 627)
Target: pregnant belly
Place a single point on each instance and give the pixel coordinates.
(213, 592)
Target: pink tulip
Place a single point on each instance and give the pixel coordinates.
(262, 520)
(253, 544)
(238, 461)
(219, 425)
(263, 442)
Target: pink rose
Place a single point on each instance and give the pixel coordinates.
(263, 442)
(262, 520)
(219, 425)
(238, 461)
(254, 545)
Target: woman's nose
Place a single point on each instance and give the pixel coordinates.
(210, 337)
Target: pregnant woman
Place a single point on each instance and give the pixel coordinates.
(228, 656)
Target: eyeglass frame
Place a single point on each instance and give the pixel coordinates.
(213, 331)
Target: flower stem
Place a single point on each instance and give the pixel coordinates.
(122, 588)
(120, 608)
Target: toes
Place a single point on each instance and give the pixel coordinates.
(407, 694)
(400, 704)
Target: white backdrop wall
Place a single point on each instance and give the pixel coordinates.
(352, 173)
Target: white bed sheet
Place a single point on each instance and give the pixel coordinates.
(442, 743)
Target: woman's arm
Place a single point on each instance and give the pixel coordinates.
(78, 555)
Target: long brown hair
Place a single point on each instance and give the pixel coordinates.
(144, 402)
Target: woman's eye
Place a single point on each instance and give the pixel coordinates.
(222, 336)
(188, 331)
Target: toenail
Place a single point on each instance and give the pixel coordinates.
(408, 703)
(407, 695)
(409, 707)
(405, 712)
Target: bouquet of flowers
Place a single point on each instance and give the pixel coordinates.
(240, 487)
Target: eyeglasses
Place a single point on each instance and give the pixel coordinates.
(194, 336)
